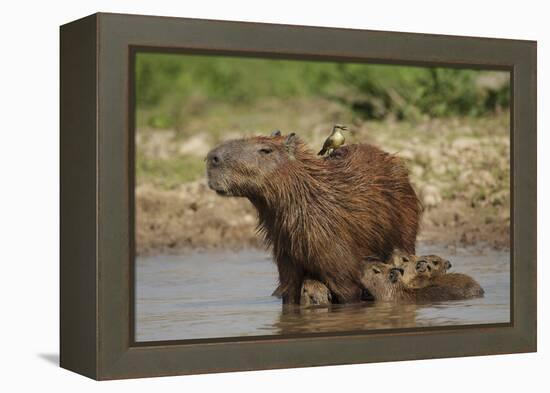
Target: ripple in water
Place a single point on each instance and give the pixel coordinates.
(212, 295)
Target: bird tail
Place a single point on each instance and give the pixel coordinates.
(322, 152)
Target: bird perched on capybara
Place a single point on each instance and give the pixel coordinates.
(334, 140)
(322, 217)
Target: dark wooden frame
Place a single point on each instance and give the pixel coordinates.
(97, 196)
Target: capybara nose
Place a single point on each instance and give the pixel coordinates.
(395, 273)
(448, 265)
(421, 266)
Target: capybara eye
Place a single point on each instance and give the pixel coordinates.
(265, 150)
(436, 263)
(405, 259)
(376, 270)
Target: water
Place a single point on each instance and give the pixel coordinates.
(212, 295)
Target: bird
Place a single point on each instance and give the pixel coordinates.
(334, 140)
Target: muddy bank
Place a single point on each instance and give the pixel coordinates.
(192, 216)
(459, 168)
(173, 221)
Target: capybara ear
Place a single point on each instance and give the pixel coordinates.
(276, 133)
(290, 139)
(290, 144)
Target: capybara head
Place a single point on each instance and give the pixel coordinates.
(412, 268)
(415, 271)
(382, 280)
(435, 264)
(242, 167)
(315, 293)
(400, 258)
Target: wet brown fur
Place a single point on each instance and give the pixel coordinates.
(438, 265)
(322, 217)
(315, 293)
(452, 286)
(414, 277)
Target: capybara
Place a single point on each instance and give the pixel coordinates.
(436, 264)
(416, 274)
(418, 271)
(385, 283)
(398, 258)
(314, 293)
(457, 286)
(321, 216)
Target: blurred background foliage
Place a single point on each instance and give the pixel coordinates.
(450, 126)
(171, 88)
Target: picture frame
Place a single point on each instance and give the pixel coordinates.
(97, 197)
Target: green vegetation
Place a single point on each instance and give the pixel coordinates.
(187, 104)
(172, 88)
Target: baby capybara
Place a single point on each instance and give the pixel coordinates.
(314, 293)
(321, 216)
(385, 283)
(436, 264)
(419, 271)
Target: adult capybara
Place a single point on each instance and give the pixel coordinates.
(321, 216)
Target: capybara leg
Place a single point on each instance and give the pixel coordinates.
(290, 280)
(314, 293)
(291, 286)
(291, 294)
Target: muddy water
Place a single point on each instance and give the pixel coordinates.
(209, 295)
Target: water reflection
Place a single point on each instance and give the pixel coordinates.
(353, 317)
(208, 295)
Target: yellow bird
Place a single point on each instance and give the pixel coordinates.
(334, 140)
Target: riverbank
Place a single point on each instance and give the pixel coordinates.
(459, 167)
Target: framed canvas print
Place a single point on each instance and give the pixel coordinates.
(241, 196)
